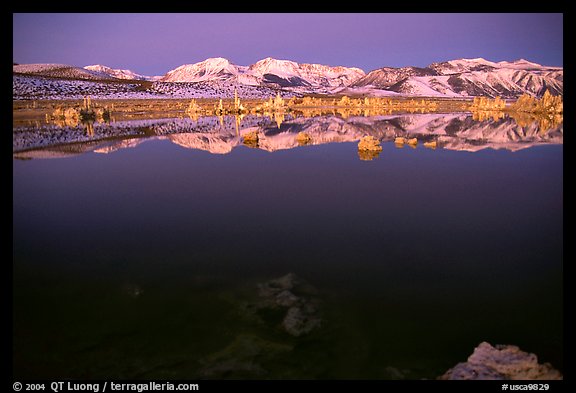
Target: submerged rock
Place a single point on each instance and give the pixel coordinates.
(289, 282)
(132, 290)
(395, 373)
(290, 303)
(246, 356)
(301, 320)
(267, 340)
(286, 299)
(500, 363)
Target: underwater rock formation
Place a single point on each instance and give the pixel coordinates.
(289, 302)
(245, 357)
(285, 310)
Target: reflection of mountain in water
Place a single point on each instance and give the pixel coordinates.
(219, 135)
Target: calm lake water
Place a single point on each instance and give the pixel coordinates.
(141, 249)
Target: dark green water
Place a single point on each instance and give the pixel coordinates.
(138, 264)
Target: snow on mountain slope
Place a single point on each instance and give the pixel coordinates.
(59, 71)
(507, 83)
(424, 86)
(462, 65)
(469, 77)
(36, 68)
(209, 69)
(281, 68)
(120, 74)
(345, 75)
(525, 65)
(268, 71)
(386, 77)
(218, 77)
(480, 64)
(282, 72)
(306, 74)
(26, 87)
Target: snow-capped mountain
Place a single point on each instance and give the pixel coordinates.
(219, 77)
(216, 68)
(468, 77)
(285, 73)
(290, 73)
(268, 71)
(386, 77)
(480, 64)
(120, 74)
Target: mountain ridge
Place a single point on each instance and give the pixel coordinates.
(285, 73)
(452, 78)
(468, 77)
(120, 73)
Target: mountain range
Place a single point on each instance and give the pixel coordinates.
(268, 71)
(468, 77)
(455, 78)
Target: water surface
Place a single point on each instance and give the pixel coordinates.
(139, 263)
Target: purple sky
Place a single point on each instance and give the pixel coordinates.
(153, 44)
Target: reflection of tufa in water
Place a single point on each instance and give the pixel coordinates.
(251, 138)
(431, 145)
(303, 138)
(455, 131)
(368, 155)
